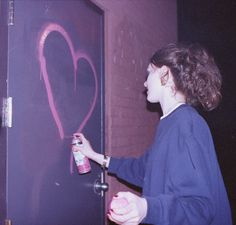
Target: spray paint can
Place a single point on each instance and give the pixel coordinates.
(81, 160)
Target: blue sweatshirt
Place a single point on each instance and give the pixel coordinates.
(179, 174)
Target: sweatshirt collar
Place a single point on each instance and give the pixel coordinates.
(167, 114)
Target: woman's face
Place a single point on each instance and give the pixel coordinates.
(153, 84)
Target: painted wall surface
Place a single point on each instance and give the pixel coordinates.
(51, 65)
(134, 30)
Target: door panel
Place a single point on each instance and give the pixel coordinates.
(3, 93)
(55, 78)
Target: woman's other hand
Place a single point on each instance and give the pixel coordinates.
(131, 213)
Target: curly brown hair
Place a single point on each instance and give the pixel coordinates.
(194, 71)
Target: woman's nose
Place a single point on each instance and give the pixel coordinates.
(145, 84)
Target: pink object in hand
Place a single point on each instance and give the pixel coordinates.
(81, 161)
(118, 202)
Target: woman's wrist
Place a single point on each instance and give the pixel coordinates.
(106, 161)
(101, 159)
(144, 208)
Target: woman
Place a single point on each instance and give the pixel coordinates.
(179, 174)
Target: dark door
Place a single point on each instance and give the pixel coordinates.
(55, 69)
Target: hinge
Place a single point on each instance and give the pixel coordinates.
(8, 222)
(7, 112)
(11, 12)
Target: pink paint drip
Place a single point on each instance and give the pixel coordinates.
(76, 56)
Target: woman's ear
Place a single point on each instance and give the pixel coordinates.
(167, 79)
(164, 69)
(164, 75)
(171, 84)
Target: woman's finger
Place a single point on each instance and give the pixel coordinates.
(122, 218)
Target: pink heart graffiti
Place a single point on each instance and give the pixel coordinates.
(76, 56)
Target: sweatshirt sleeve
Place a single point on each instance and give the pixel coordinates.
(188, 197)
(131, 170)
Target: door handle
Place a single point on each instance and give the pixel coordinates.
(99, 186)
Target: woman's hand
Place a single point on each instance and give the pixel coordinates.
(131, 213)
(85, 147)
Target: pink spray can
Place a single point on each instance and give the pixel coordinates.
(81, 160)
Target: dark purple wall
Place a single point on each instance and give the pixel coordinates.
(51, 60)
(213, 24)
